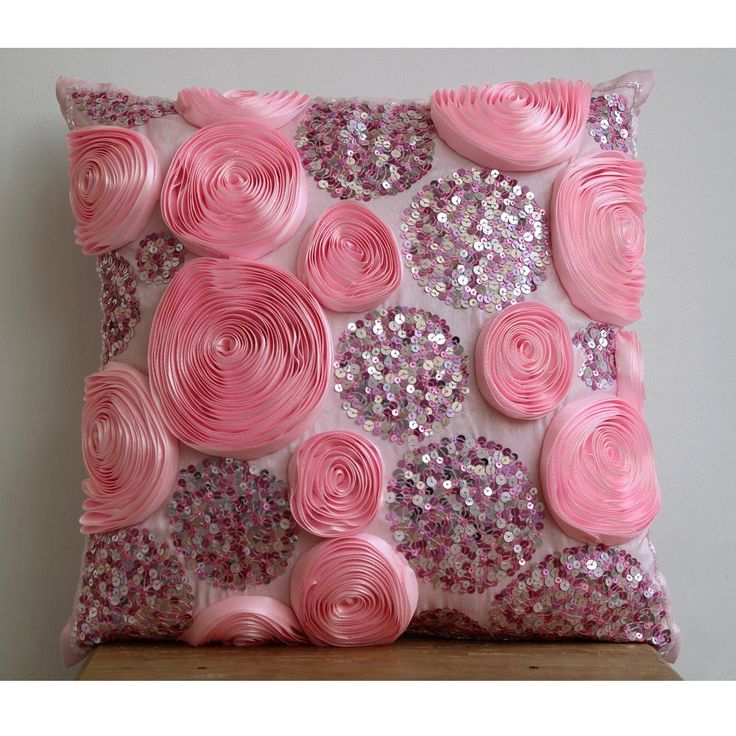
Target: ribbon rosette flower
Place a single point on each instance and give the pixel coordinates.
(235, 190)
(598, 236)
(115, 182)
(200, 106)
(350, 260)
(514, 126)
(524, 361)
(131, 457)
(239, 357)
(245, 620)
(336, 482)
(353, 591)
(597, 471)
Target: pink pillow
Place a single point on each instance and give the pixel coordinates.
(295, 438)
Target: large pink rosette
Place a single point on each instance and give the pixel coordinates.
(245, 620)
(597, 469)
(598, 236)
(630, 369)
(131, 457)
(200, 106)
(512, 125)
(524, 361)
(354, 591)
(235, 190)
(350, 260)
(336, 483)
(115, 181)
(239, 357)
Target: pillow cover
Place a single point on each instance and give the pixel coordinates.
(366, 367)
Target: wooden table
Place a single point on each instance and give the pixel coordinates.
(408, 659)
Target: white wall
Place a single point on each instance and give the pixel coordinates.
(50, 320)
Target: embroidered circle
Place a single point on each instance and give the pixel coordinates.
(115, 107)
(610, 123)
(464, 513)
(359, 149)
(233, 526)
(448, 623)
(132, 587)
(476, 238)
(598, 341)
(400, 373)
(121, 310)
(158, 258)
(591, 592)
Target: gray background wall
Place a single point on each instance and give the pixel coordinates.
(49, 317)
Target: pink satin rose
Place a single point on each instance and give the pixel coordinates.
(513, 126)
(598, 236)
(245, 620)
(353, 591)
(350, 260)
(597, 469)
(131, 457)
(200, 106)
(115, 182)
(630, 369)
(239, 357)
(235, 190)
(336, 484)
(524, 361)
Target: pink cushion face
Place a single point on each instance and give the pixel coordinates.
(368, 367)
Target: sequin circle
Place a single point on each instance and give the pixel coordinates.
(233, 526)
(158, 258)
(121, 310)
(610, 122)
(361, 150)
(476, 238)
(400, 373)
(598, 341)
(447, 623)
(114, 107)
(592, 592)
(132, 587)
(464, 513)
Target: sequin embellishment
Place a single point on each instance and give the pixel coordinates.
(447, 623)
(610, 122)
(476, 238)
(121, 310)
(464, 513)
(233, 527)
(400, 373)
(598, 341)
(592, 592)
(114, 107)
(132, 587)
(361, 150)
(159, 256)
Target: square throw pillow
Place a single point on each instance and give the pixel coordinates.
(367, 367)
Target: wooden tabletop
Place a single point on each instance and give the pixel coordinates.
(408, 659)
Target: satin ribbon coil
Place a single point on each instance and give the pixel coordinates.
(115, 183)
(598, 236)
(353, 591)
(235, 190)
(512, 125)
(200, 106)
(239, 357)
(336, 483)
(630, 369)
(130, 455)
(350, 260)
(524, 361)
(244, 621)
(597, 470)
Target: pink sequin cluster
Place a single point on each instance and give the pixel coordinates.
(598, 341)
(610, 122)
(114, 107)
(158, 258)
(121, 310)
(448, 623)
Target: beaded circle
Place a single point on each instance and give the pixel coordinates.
(598, 342)
(158, 258)
(121, 310)
(610, 122)
(114, 107)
